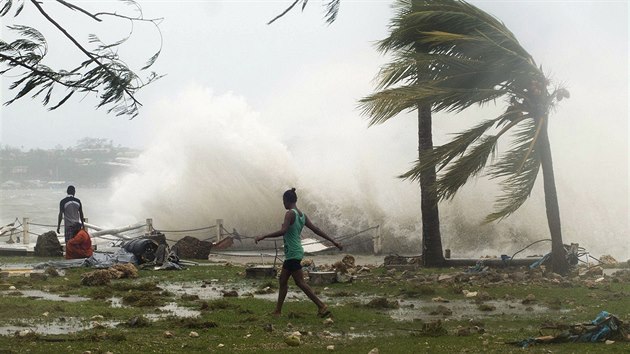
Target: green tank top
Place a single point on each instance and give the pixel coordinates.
(292, 240)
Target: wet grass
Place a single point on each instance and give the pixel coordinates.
(243, 324)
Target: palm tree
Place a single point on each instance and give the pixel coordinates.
(397, 82)
(468, 57)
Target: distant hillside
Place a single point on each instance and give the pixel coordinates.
(91, 163)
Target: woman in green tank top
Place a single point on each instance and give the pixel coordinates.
(294, 222)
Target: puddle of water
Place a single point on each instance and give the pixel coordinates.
(68, 325)
(172, 309)
(215, 291)
(464, 309)
(116, 302)
(42, 295)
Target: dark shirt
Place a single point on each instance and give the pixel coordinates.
(72, 209)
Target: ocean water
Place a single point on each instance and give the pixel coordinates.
(41, 207)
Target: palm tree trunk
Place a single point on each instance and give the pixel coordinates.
(432, 255)
(559, 260)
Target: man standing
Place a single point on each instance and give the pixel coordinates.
(71, 210)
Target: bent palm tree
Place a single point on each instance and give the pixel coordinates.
(401, 78)
(469, 57)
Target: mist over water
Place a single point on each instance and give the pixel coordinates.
(212, 156)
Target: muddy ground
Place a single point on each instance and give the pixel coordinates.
(214, 307)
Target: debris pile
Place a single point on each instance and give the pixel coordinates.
(104, 276)
(604, 328)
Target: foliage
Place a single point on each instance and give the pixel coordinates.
(466, 57)
(101, 72)
(332, 9)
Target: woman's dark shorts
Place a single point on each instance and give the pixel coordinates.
(292, 265)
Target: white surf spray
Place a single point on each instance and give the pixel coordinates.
(212, 156)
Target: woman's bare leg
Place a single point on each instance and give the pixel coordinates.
(298, 276)
(282, 292)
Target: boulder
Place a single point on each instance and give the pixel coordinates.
(48, 245)
(192, 248)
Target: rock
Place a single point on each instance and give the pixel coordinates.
(486, 307)
(469, 293)
(343, 278)
(48, 245)
(441, 310)
(444, 277)
(594, 271)
(97, 318)
(192, 248)
(383, 303)
(328, 322)
(25, 333)
(97, 325)
(193, 334)
(168, 334)
(12, 287)
(292, 340)
(529, 299)
(373, 351)
(330, 348)
(231, 293)
(484, 296)
(51, 271)
(463, 331)
(608, 260)
(608, 341)
(221, 345)
(348, 260)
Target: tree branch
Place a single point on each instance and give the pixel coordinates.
(78, 45)
(284, 13)
(36, 71)
(75, 7)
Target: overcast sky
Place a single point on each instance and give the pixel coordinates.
(299, 81)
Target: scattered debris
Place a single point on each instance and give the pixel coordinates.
(604, 328)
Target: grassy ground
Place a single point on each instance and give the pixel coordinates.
(362, 313)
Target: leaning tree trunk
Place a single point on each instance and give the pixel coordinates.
(432, 255)
(559, 262)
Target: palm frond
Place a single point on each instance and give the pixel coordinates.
(383, 105)
(404, 68)
(519, 166)
(332, 10)
(466, 167)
